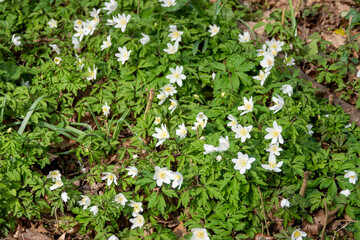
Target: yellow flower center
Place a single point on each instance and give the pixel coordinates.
(233, 123)
(275, 133)
(248, 106)
(272, 164)
(242, 162)
(352, 176)
(162, 175)
(270, 62)
(110, 177)
(243, 131)
(176, 75)
(122, 21)
(297, 234)
(200, 235)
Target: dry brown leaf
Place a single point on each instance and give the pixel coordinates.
(180, 230)
(335, 39)
(260, 236)
(33, 235)
(62, 237)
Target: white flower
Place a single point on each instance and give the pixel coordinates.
(85, 201)
(233, 122)
(55, 48)
(79, 63)
(94, 210)
(157, 120)
(274, 46)
(243, 162)
(209, 148)
(248, 106)
(272, 165)
(106, 109)
(261, 51)
(138, 221)
(224, 144)
(182, 131)
(133, 171)
(162, 97)
(262, 77)
(64, 196)
(177, 179)
(202, 138)
(169, 90)
(145, 39)
(201, 120)
(289, 61)
(268, 61)
(106, 43)
(175, 34)
(161, 134)
(176, 75)
(173, 105)
(358, 74)
(110, 6)
(95, 12)
(168, 3)
(199, 234)
(244, 38)
(54, 175)
(121, 21)
(352, 176)
(57, 60)
(52, 23)
(58, 183)
(123, 55)
(345, 192)
(75, 42)
(172, 48)
(309, 127)
(110, 177)
(78, 23)
(274, 133)
(347, 126)
(162, 175)
(92, 73)
(213, 76)
(113, 237)
(137, 207)
(120, 199)
(80, 32)
(274, 149)
(218, 158)
(135, 156)
(214, 30)
(279, 103)
(297, 235)
(287, 89)
(242, 132)
(285, 203)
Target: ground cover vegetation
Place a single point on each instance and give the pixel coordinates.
(164, 120)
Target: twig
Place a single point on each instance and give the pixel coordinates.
(149, 103)
(304, 184)
(264, 212)
(322, 235)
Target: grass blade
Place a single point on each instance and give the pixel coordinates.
(2, 110)
(247, 25)
(119, 125)
(29, 113)
(93, 115)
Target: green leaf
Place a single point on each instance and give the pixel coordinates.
(29, 113)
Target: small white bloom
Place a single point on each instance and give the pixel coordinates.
(202, 138)
(213, 76)
(272, 165)
(135, 156)
(92, 73)
(347, 126)
(243, 162)
(161, 134)
(85, 201)
(137, 207)
(121, 21)
(297, 235)
(274, 149)
(79, 62)
(279, 103)
(55, 48)
(233, 122)
(133, 171)
(224, 144)
(176, 75)
(358, 74)
(199, 234)
(64, 196)
(345, 192)
(285, 203)
(120, 199)
(157, 120)
(209, 148)
(58, 183)
(182, 131)
(110, 6)
(138, 221)
(244, 38)
(218, 158)
(123, 55)
(352, 176)
(75, 42)
(145, 39)
(172, 49)
(175, 34)
(106, 43)
(177, 179)
(113, 237)
(289, 61)
(309, 127)
(78, 23)
(162, 97)
(54, 175)
(242, 132)
(52, 23)
(110, 177)
(106, 109)
(57, 60)
(261, 51)
(327, 115)
(287, 89)
(214, 30)
(248, 106)
(80, 32)
(162, 175)
(274, 133)
(262, 77)
(94, 210)
(268, 61)
(173, 105)
(169, 90)
(274, 46)
(168, 3)
(95, 12)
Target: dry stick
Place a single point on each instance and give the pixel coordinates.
(262, 203)
(304, 184)
(149, 103)
(322, 235)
